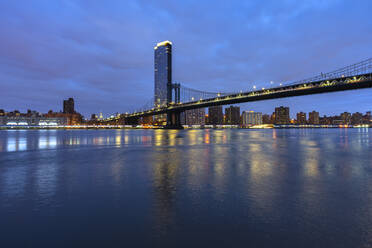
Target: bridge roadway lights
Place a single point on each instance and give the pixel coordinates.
(174, 120)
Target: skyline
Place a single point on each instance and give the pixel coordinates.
(102, 54)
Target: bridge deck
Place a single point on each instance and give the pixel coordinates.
(309, 88)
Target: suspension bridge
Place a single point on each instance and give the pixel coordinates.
(356, 76)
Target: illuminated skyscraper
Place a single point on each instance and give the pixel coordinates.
(163, 78)
(163, 73)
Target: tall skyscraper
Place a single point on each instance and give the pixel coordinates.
(232, 115)
(68, 106)
(163, 78)
(163, 73)
(215, 115)
(282, 115)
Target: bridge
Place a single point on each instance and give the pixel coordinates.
(356, 76)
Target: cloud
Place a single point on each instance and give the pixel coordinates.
(101, 53)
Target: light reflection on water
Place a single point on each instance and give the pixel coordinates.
(156, 185)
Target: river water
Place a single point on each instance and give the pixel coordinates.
(186, 188)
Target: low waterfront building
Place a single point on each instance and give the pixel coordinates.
(357, 118)
(250, 118)
(32, 121)
(346, 118)
(72, 119)
(193, 117)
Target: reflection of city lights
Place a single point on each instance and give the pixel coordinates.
(11, 145)
(206, 137)
(274, 134)
(118, 140)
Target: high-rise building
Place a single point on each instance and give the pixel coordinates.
(194, 117)
(314, 118)
(301, 118)
(251, 118)
(232, 115)
(215, 115)
(68, 106)
(163, 78)
(163, 73)
(282, 115)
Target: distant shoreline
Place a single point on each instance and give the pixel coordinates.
(100, 127)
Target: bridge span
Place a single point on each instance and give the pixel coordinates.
(308, 88)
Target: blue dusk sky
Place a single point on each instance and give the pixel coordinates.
(101, 52)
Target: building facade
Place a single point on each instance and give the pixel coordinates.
(282, 115)
(215, 115)
(232, 115)
(250, 118)
(314, 118)
(71, 119)
(301, 118)
(163, 78)
(163, 73)
(346, 118)
(266, 119)
(357, 118)
(193, 117)
(69, 106)
(32, 121)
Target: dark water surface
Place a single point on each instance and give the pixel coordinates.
(188, 188)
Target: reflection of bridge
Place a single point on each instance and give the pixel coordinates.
(355, 76)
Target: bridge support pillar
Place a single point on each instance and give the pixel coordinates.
(174, 120)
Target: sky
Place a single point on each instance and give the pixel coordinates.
(101, 52)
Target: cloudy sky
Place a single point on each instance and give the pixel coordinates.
(101, 52)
